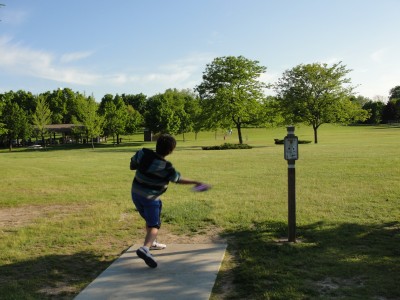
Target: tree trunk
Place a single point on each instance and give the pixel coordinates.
(315, 134)
(43, 142)
(238, 124)
(238, 127)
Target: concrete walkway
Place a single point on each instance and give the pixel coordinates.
(183, 272)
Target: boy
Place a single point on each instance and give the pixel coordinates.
(153, 174)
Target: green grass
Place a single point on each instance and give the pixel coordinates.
(348, 212)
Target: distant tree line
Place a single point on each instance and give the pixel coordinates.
(230, 96)
(24, 116)
(379, 111)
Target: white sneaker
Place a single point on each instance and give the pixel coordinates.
(157, 246)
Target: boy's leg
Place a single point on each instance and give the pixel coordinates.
(151, 210)
(153, 221)
(151, 236)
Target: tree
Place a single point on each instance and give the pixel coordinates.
(272, 115)
(15, 122)
(138, 102)
(170, 112)
(57, 106)
(181, 102)
(316, 94)
(394, 93)
(25, 100)
(361, 100)
(391, 111)
(3, 130)
(160, 116)
(114, 120)
(115, 115)
(42, 117)
(106, 99)
(92, 121)
(134, 120)
(375, 109)
(193, 109)
(231, 93)
(65, 105)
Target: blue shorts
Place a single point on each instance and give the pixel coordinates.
(150, 210)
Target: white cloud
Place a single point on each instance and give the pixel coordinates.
(379, 85)
(118, 79)
(74, 56)
(379, 55)
(16, 58)
(178, 73)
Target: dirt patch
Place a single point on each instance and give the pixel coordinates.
(208, 236)
(61, 288)
(16, 217)
(330, 285)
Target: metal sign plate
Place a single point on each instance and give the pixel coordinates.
(291, 145)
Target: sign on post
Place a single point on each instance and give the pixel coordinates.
(291, 154)
(291, 144)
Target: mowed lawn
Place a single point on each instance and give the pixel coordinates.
(66, 214)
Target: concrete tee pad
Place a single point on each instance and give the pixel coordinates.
(185, 271)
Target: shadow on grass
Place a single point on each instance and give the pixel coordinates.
(50, 277)
(122, 147)
(397, 126)
(329, 261)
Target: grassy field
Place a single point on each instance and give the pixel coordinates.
(66, 214)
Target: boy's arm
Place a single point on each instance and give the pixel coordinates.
(134, 164)
(188, 181)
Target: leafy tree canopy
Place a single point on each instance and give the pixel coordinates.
(316, 94)
(138, 101)
(160, 116)
(231, 93)
(16, 122)
(41, 117)
(394, 93)
(92, 121)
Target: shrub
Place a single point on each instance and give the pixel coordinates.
(227, 146)
(280, 142)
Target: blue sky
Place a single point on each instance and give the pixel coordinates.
(131, 46)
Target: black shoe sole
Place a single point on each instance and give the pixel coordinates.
(148, 260)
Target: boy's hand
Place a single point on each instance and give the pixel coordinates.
(201, 187)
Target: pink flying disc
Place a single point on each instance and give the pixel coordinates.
(201, 188)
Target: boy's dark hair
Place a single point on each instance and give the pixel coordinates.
(165, 144)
